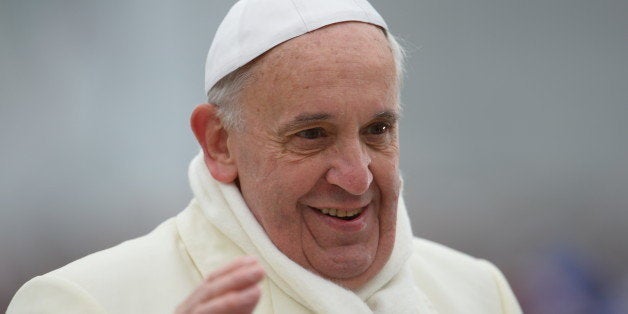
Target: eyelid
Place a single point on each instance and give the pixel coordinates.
(319, 129)
(303, 122)
(327, 127)
(388, 124)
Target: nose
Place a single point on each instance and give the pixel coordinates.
(350, 168)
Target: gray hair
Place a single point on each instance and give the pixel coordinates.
(225, 93)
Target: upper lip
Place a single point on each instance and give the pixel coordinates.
(340, 207)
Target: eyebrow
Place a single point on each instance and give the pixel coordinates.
(387, 115)
(305, 118)
(310, 117)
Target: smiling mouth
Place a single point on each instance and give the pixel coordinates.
(344, 214)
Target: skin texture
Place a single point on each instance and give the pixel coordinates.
(320, 132)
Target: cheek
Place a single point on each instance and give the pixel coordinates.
(272, 190)
(386, 177)
(272, 185)
(385, 168)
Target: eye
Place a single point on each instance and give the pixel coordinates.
(378, 128)
(379, 134)
(311, 134)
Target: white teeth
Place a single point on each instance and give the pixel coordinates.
(340, 213)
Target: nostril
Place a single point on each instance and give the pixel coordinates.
(355, 182)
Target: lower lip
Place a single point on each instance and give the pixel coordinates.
(354, 225)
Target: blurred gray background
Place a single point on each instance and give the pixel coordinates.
(514, 136)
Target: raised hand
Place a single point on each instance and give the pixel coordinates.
(231, 289)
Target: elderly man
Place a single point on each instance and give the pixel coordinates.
(297, 204)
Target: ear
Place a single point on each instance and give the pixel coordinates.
(212, 137)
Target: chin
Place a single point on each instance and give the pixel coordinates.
(349, 271)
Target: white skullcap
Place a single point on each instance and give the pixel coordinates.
(253, 27)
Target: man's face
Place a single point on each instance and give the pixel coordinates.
(317, 159)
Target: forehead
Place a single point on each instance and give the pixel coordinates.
(335, 67)
(333, 46)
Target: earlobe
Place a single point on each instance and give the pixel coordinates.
(212, 136)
